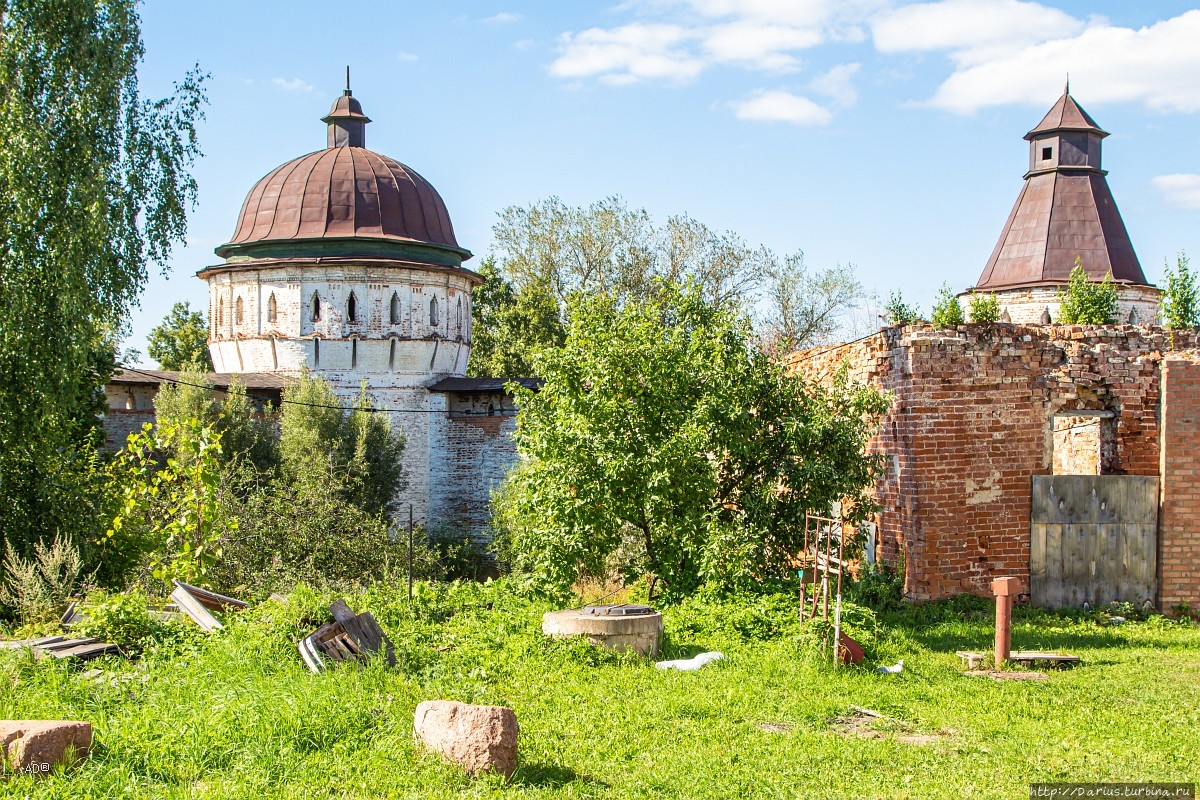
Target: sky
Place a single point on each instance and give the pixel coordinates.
(879, 133)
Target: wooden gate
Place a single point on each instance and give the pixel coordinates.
(1094, 539)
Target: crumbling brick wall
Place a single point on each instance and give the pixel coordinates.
(1179, 516)
(973, 419)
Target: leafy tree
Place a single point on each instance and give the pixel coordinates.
(947, 311)
(1180, 301)
(1087, 302)
(171, 510)
(664, 442)
(984, 308)
(548, 252)
(899, 312)
(805, 308)
(94, 186)
(320, 434)
(510, 325)
(180, 340)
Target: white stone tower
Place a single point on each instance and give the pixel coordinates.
(344, 262)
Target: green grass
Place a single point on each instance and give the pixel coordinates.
(236, 715)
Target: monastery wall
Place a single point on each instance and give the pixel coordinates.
(974, 415)
(1179, 516)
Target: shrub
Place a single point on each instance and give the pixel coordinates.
(898, 312)
(1180, 303)
(1086, 302)
(984, 308)
(947, 311)
(126, 619)
(38, 589)
(879, 587)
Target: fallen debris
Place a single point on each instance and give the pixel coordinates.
(477, 738)
(62, 647)
(776, 727)
(350, 637)
(689, 664)
(198, 604)
(34, 747)
(973, 660)
(895, 669)
(1007, 675)
(211, 600)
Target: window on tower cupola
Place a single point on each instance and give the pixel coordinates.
(237, 312)
(315, 310)
(394, 311)
(352, 308)
(272, 311)
(433, 313)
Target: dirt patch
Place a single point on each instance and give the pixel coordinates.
(866, 724)
(776, 727)
(1007, 675)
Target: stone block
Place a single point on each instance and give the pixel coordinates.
(477, 738)
(35, 746)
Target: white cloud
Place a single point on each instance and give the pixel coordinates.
(675, 40)
(502, 17)
(293, 85)
(524, 44)
(403, 56)
(778, 105)
(970, 28)
(1181, 189)
(627, 54)
(838, 84)
(758, 45)
(1007, 51)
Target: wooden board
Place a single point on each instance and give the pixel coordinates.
(84, 652)
(1093, 539)
(211, 600)
(195, 609)
(19, 643)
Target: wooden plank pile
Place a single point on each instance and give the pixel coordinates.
(350, 637)
(198, 604)
(62, 647)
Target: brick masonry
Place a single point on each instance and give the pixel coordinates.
(973, 418)
(1179, 517)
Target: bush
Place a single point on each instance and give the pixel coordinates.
(1086, 302)
(898, 312)
(126, 619)
(984, 308)
(38, 589)
(947, 311)
(1180, 303)
(879, 587)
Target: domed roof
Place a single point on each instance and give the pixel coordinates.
(344, 191)
(345, 201)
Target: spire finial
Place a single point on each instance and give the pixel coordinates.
(1065, 91)
(347, 80)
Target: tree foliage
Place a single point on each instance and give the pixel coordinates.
(947, 311)
(94, 186)
(548, 252)
(1088, 302)
(180, 340)
(664, 442)
(1180, 303)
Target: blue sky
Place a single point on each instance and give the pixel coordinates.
(876, 132)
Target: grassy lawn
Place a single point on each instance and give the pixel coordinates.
(236, 715)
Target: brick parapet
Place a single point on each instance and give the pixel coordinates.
(971, 421)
